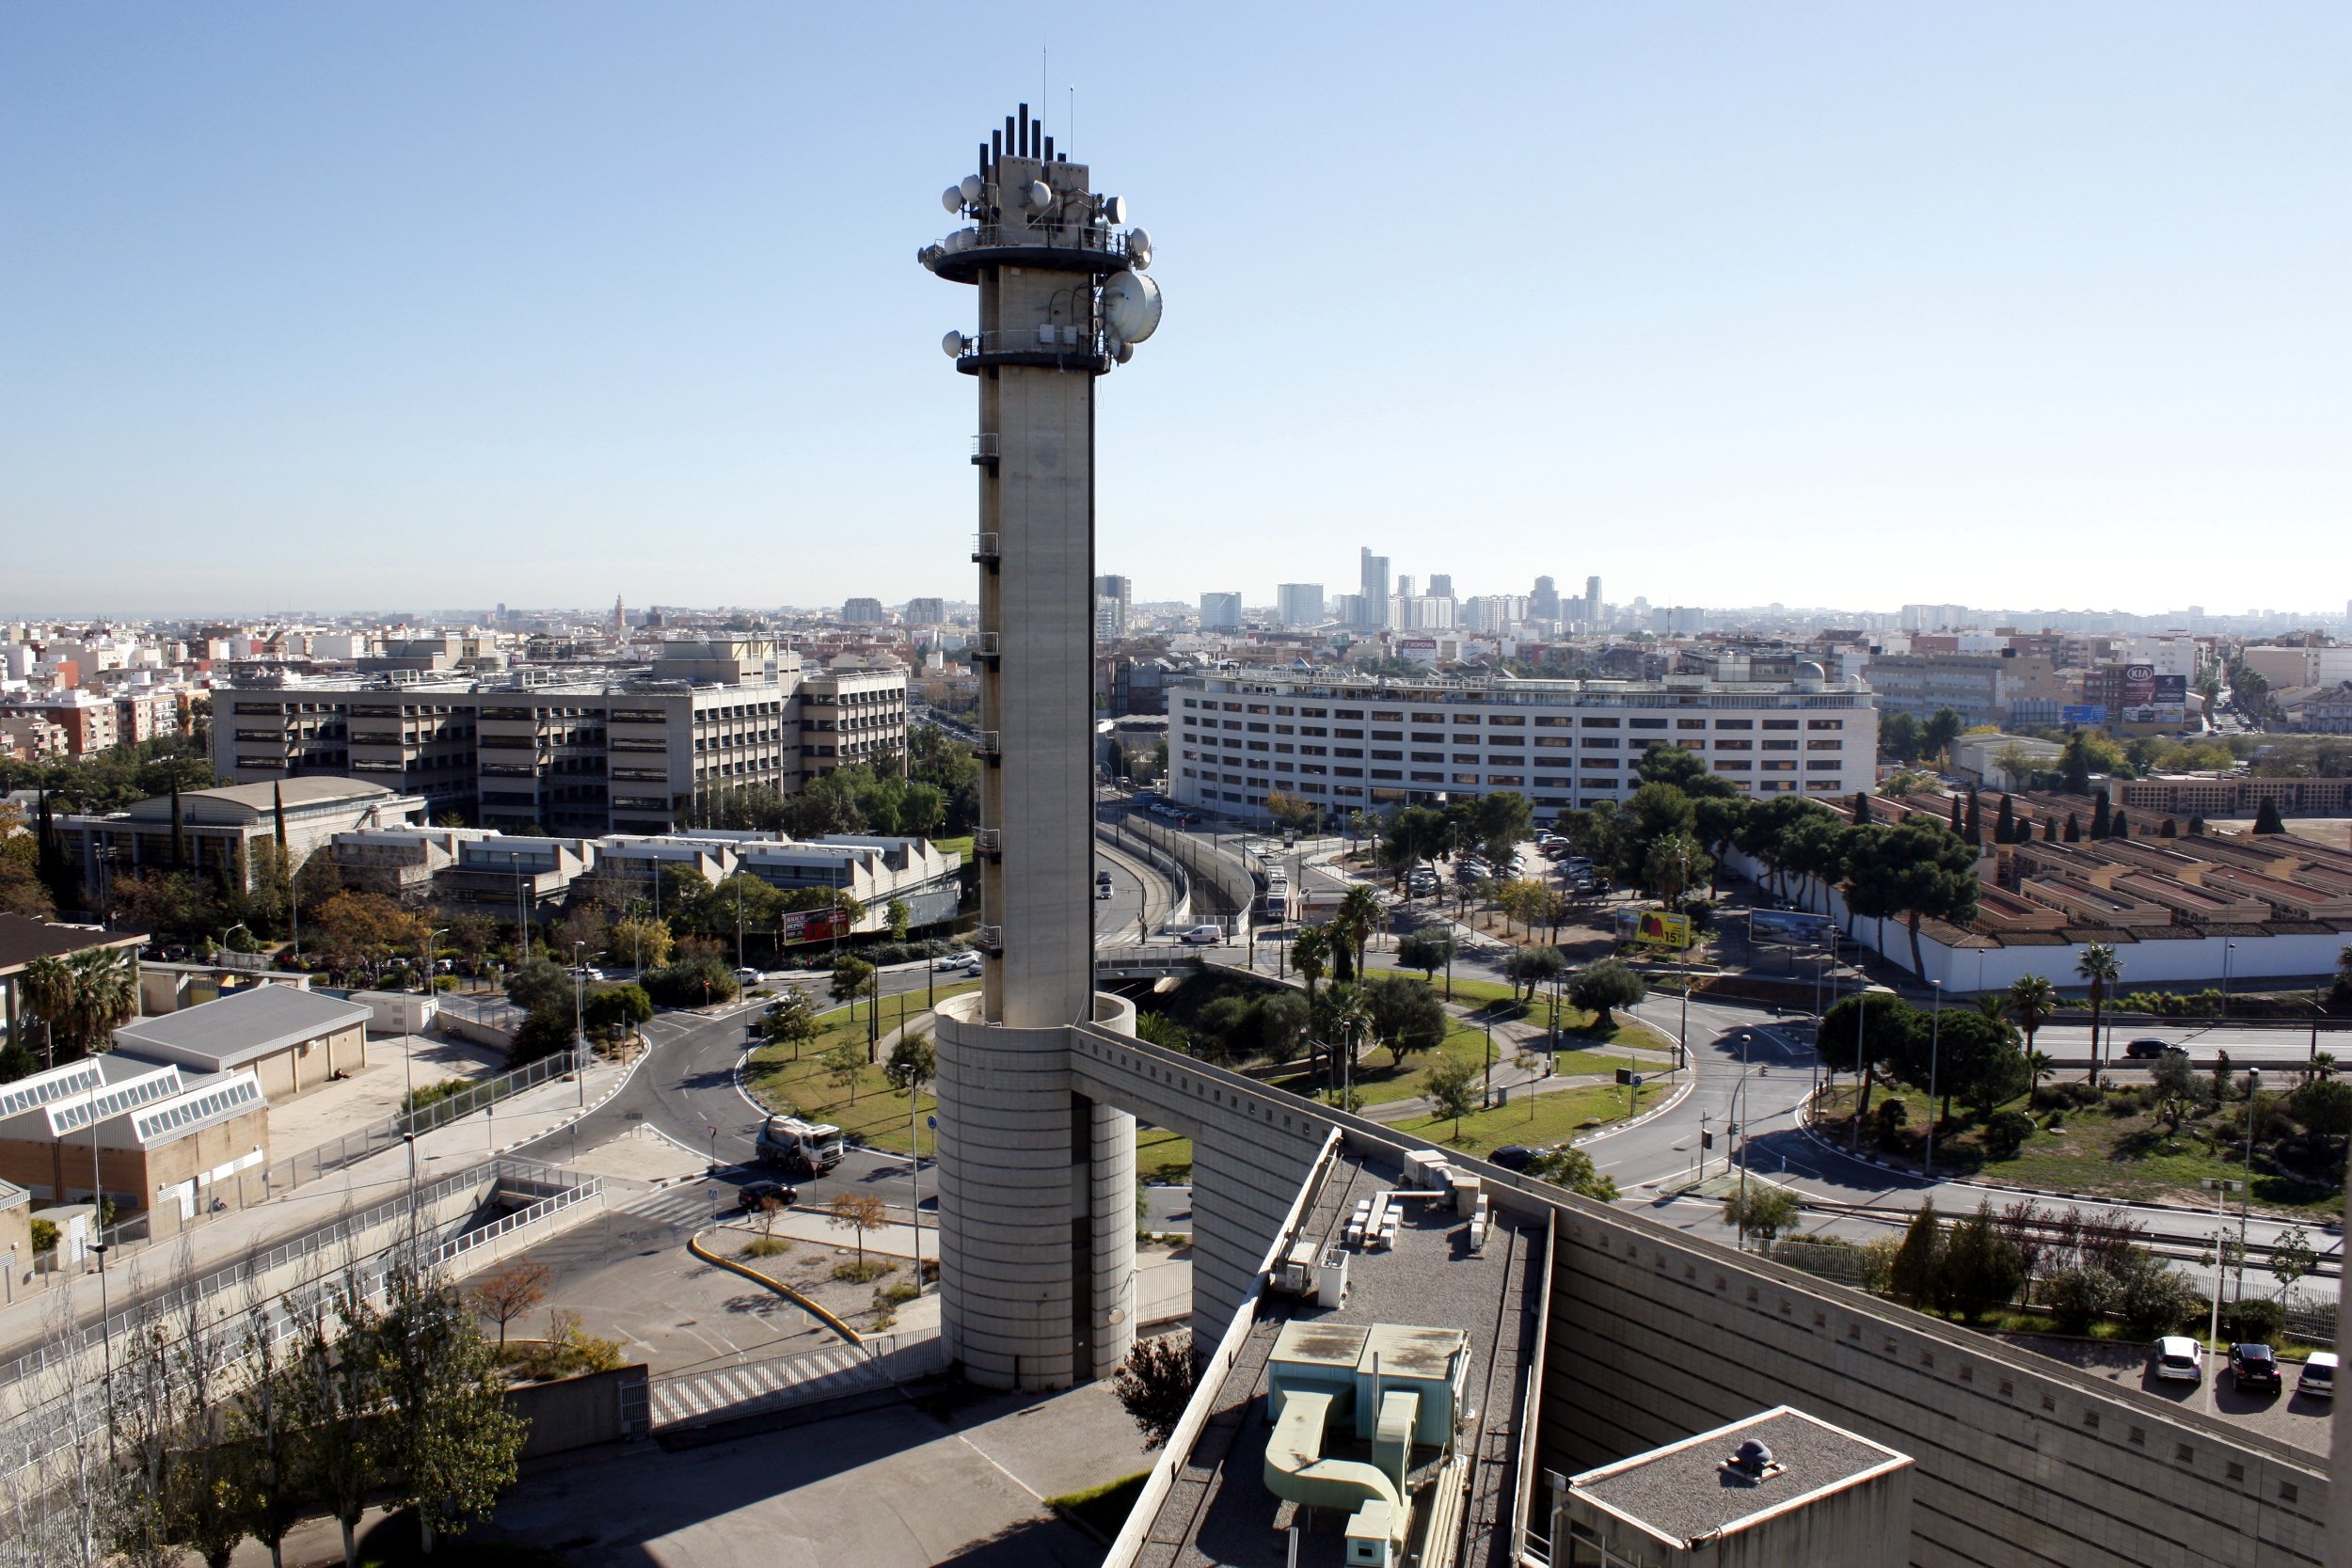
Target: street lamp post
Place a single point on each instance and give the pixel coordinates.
(2228, 948)
(1736, 1131)
(1935, 1042)
(579, 1018)
(2220, 1191)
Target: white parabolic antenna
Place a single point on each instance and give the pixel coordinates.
(1040, 195)
(1131, 306)
(952, 198)
(1115, 211)
(971, 189)
(952, 345)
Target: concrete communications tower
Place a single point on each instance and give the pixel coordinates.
(1036, 1180)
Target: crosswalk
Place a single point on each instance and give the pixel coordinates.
(691, 1205)
(728, 1392)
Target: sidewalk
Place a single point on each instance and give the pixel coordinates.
(227, 1237)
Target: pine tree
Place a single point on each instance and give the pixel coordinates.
(2049, 830)
(277, 809)
(2073, 828)
(2005, 823)
(2101, 816)
(178, 831)
(2167, 830)
(2121, 826)
(2266, 819)
(1974, 832)
(1862, 812)
(1956, 817)
(2196, 827)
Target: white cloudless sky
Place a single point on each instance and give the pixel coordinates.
(439, 305)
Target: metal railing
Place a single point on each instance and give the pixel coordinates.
(1054, 236)
(457, 1246)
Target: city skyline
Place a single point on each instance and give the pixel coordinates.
(530, 306)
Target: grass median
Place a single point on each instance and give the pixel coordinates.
(799, 1081)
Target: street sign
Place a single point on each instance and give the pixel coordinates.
(930, 1122)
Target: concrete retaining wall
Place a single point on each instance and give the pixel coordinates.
(581, 1412)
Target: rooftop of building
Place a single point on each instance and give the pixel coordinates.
(1219, 1512)
(1336, 682)
(24, 939)
(241, 1026)
(237, 804)
(1685, 1492)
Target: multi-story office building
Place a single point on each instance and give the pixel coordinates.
(1372, 587)
(1592, 601)
(1543, 604)
(1300, 604)
(1120, 593)
(1220, 613)
(1345, 742)
(602, 749)
(2000, 687)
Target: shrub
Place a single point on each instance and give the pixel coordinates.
(2007, 1132)
(683, 985)
(896, 1294)
(2080, 1094)
(2256, 1322)
(2079, 1297)
(1894, 1119)
(2055, 1120)
(2154, 1299)
(767, 1246)
(854, 1271)
(44, 1235)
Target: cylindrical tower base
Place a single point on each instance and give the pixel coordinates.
(1036, 1222)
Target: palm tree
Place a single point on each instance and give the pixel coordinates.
(109, 982)
(2031, 1001)
(1359, 913)
(2100, 967)
(47, 987)
(2038, 1066)
(1311, 955)
(1345, 1022)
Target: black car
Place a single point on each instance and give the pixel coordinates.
(1513, 1157)
(755, 1195)
(2147, 1050)
(2253, 1367)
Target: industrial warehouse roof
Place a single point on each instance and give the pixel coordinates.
(241, 1027)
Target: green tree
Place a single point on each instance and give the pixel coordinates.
(1311, 955)
(853, 977)
(1405, 1015)
(2101, 817)
(1761, 1210)
(1936, 736)
(1864, 1037)
(2031, 1001)
(2100, 969)
(2074, 764)
(1977, 1060)
(896, 915)
(1676, 862)
(1451, 1085)
(1155, 1384)
(1532, 968)
(1429, 949)
(616, 1010)
(1282, 1022)
(539, 983)
(1931, 872)
(2323, 1106)
(844, 1065)
(2266, 819)
(442, 1434)
(792, 1019)
(1602, 988)
(1359, 916)
(1504, 821)
(911, 1061)
(1571, 1167)
(1900, 738)
(1918, 1262)
(1981, 1268)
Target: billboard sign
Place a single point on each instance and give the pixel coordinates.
(1657, 928)
(1796, 925)
(2083, 713)
(2152, 699)
(813, 926)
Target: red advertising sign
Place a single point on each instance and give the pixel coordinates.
(813, 926)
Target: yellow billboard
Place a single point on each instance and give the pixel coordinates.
(1659, 929)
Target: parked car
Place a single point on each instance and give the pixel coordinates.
(2253, 1367)
(2318, 1378)
(747, 977)
(755, 1194)
(2180, 1358)
(956, 960)
(2145, 1049)
(1201, 935)
(1513, 1157)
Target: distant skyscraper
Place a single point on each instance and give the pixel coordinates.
(1592, 601)
(1120, 592)
(1441, 585)
(1220, 613)
(1404, 587)
(1543, 604)
(1300, 604)
(1374, 588)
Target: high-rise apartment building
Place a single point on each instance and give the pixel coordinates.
(927, 612)
(1543, 604)
(1374, 589)
(1592, 601)
(1300, 604)
(863, 612)
(1441, 585)
(1114, 603)
(1220, 613)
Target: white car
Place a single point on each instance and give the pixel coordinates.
(1102, 891)
(956, 960)
(1201, 935)
(747, 977)
(2318, 1378)
(2180, 1358)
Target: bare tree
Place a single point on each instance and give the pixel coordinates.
(858, 1213)
(513, 1291)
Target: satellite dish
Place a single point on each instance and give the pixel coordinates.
(959, 240)
(1138, 248)
(1040, 194)
(952, 345)
(1124, 352)
(952, 198)
(1115, 210)
(1131, 306)
(971, 189)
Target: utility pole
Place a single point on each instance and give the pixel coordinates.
(1935, 1042)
